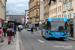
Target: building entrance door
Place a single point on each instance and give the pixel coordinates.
(71, 30)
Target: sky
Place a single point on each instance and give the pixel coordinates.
(17, 6)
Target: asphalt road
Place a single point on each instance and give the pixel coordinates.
(37, 42)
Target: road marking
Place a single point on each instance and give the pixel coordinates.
(40, 41)
(65, 47)
(68, 47)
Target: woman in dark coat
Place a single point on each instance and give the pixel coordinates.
(9, 34)
(4, 30)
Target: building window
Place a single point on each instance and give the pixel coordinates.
(56, 10)
(65, 16)
(37, 10)
(65, 6)
(36, 14)
(36, 19)
(53, 10)
(60, 8)
(70, 15)
(37, 3)
(71, 4)
(27, 14)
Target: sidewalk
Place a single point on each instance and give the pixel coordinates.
(70, 38)
(5, 46)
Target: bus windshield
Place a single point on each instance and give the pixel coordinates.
(57, 26)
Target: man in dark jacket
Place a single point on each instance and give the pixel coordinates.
(4, 30)
(32, 30)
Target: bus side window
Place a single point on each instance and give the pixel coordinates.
(48, 25)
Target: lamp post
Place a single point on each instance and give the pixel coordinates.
(40, 24)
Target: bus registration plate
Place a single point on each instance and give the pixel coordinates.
(56, 37)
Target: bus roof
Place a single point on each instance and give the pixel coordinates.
(64, 19)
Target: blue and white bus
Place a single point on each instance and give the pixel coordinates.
(55, 27)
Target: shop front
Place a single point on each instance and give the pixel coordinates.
(1, 23)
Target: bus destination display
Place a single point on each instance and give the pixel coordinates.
(57, 20)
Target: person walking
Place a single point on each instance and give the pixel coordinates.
(1, 35)
(4, 30)
(9, 34)
(37, 29)
(32, 30)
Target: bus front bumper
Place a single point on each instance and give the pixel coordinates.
(50, 36)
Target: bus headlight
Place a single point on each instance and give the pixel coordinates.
(49, 33)
(65, 34)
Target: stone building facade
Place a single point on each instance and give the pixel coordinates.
(46, 9)
(26, 16)
(68, 8)
(34, 12)
(2, 11)
(15, 17)
(53, 8)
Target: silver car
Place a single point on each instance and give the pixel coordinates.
(28, 29)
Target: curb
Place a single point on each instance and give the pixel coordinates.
(17, 41)
(71, 38)
(21, 44)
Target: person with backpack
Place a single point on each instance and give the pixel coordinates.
(4, 30)
(9, 34)
(1, 35)
(37, 29)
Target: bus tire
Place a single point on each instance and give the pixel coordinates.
(61, 38)
(42, 34)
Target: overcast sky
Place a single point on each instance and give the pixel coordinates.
(17, 6)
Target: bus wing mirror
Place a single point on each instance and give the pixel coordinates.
(46, 23)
